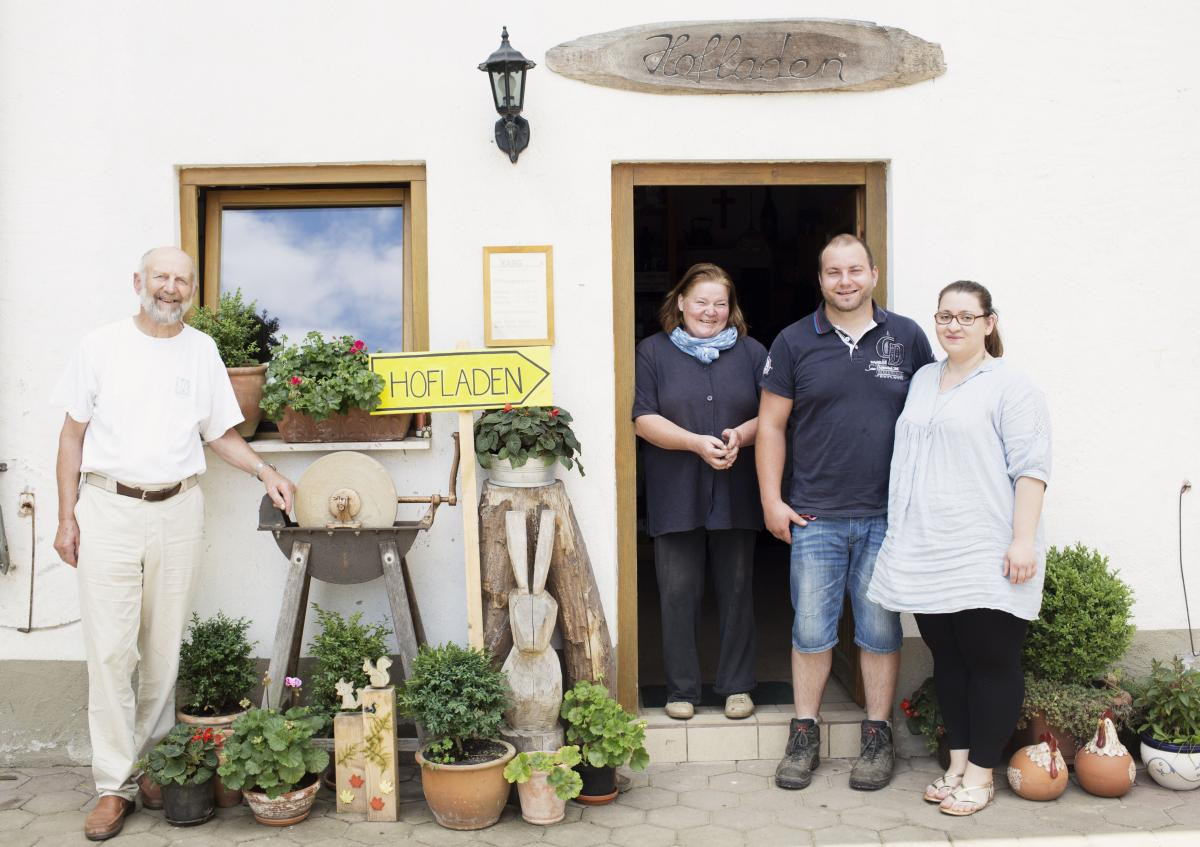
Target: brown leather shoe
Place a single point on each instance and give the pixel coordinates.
(150, 792)
(107, 818)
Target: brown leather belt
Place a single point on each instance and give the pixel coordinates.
(151, 495)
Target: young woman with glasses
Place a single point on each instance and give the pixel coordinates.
(964, 548)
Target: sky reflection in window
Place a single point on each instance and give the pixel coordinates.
(336, 270)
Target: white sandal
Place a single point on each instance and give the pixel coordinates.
(940, 788)
(968, 800)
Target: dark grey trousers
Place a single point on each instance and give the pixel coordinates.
(680, 559)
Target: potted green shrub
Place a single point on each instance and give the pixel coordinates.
(242, 337)
(216, 675)
(458, 696)
(1083, 628)
(520, 446)
(608, 737)
(545, 782)
(1168, 710)
(323, 389)
(339, 647)
(183, 763)
(271, 757)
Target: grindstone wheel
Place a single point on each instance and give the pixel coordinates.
(345, 489)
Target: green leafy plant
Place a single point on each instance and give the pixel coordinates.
(558, 767)
(187, 755)
(1084, 623)
(339, 648)
(320, 377)
(518, 434)
(607, 734)
(216, 669)
(1073, 707)
(272, 751)
(1168, 703)
(234, 326)
(923, 716)
(458, 695)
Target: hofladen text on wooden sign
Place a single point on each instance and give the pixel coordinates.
(463, 379)
(750, 57)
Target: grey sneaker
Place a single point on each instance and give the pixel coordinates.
(801, 756)
(876, 759)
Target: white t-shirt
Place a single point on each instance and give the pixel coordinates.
(147, 402)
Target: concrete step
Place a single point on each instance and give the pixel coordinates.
(711, 737)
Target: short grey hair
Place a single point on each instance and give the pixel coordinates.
(146, 259)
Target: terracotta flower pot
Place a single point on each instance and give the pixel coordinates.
(466, 796)
(288, 808)
(355, 425)
(539, 804)
(248, 389)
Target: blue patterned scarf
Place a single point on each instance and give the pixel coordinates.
(707, 350)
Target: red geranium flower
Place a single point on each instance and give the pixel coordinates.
(905, 705)
(296, 380)
(554, 413)
(508, 407)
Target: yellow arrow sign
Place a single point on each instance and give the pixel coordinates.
(463, 379)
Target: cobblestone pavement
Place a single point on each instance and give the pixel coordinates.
(709, 804)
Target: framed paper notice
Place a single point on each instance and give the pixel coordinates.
(518, 296)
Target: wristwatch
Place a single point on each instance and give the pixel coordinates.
(259, 468)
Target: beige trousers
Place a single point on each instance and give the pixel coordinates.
(138, 564)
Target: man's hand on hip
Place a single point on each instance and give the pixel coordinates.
(279, 488)
(779, 518)
(66, 541)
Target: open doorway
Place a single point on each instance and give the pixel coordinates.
(765, 228)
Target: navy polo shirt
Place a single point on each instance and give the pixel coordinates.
(845, 402)
(683, 492)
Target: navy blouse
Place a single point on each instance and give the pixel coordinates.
(682, 491)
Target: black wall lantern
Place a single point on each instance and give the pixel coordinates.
(506, 70)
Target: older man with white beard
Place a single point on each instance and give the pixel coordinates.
(141, 397)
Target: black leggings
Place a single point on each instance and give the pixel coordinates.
(977, 674)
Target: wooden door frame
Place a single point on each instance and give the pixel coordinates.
(872, 224)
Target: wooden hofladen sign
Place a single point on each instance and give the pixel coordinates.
(750, 57)
(463, 380)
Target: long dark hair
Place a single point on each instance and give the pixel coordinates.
(670, 316)
(992, 344)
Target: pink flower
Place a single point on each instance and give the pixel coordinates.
(296, 380)
(554, 413)
(291, 681)
(358, 346)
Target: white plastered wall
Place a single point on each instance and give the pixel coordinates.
(1055, 161)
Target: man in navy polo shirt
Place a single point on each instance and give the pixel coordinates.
(833, 386)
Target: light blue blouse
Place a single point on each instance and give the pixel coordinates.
(957, 458)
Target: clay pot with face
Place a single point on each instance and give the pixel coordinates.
(1038, 772)
(1104, 767)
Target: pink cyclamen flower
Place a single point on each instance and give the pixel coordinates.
(291, 681)
(358, 346)
(296, 380)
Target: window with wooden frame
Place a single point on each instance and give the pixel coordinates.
(340, 249)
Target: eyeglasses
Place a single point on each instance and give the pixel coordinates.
(963, 318)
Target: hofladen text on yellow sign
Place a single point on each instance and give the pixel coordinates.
(463, 379)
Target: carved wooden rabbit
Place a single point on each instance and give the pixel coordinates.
(533, 670)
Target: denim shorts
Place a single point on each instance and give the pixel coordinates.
(830, 558)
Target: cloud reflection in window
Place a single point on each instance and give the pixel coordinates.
(336, 270)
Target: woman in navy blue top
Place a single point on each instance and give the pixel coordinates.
(696, 411)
